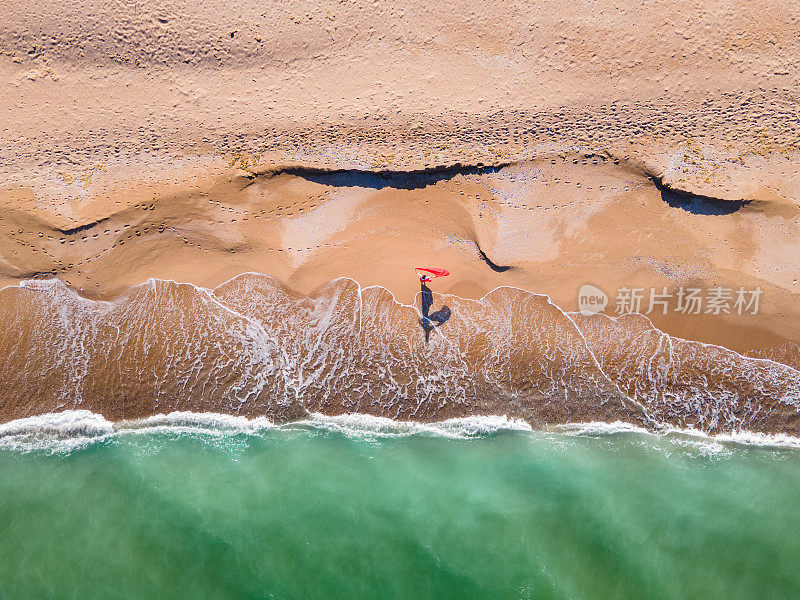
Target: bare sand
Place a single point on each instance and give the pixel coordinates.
(541, 146)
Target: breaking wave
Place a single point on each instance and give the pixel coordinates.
(72, 429)
(67, 431)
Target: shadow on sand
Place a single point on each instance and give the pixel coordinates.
(431, 320)
(696, 204)
(378, 180)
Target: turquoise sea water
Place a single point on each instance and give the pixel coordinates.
(309, 512)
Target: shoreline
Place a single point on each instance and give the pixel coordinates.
(281, 369)
(74, 429)
(33, 284)
(551, 224)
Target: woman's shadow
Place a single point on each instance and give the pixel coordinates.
(431, 320)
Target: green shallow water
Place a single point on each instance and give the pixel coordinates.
(311, 513)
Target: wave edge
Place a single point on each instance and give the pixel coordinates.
(66, 431)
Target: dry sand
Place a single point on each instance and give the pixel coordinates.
(535, 145)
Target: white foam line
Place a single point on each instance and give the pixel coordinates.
(744, 438)
(196, 421)
(372, 426)
(600, 428)
(66, 431)
(71, 429)
(58, 432)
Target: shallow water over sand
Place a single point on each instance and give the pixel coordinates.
(250, 347)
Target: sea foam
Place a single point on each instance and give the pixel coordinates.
(70, 430)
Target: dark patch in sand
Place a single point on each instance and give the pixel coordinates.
(494, 267)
